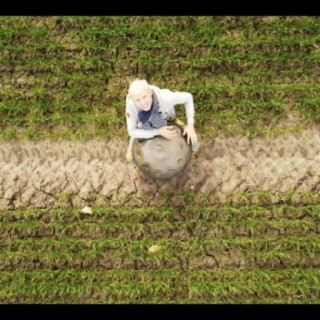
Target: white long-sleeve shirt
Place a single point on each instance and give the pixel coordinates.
(167, 100)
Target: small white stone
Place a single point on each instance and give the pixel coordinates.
(154, 249)
(86, 210)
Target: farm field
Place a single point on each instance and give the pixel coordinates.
(78, 224)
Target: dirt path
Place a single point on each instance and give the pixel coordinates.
(47, 174)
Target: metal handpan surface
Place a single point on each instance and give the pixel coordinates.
(162, 158)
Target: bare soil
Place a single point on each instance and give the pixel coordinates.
(49, 174)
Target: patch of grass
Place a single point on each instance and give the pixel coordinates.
(242, 71)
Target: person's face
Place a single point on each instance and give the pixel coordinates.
(143, 99)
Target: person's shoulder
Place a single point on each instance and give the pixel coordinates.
(154, 88)
(160, 91)
(129, 103)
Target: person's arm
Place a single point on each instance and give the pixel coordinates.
(186, 99)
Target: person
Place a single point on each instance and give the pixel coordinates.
(149, 108)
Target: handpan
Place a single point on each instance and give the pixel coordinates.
(162, 158)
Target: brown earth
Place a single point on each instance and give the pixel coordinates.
(49, 173)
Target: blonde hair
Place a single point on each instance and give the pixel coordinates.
(138, 85)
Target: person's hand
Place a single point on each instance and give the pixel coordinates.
(191, 134)
(129, 156)
(168, 132)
